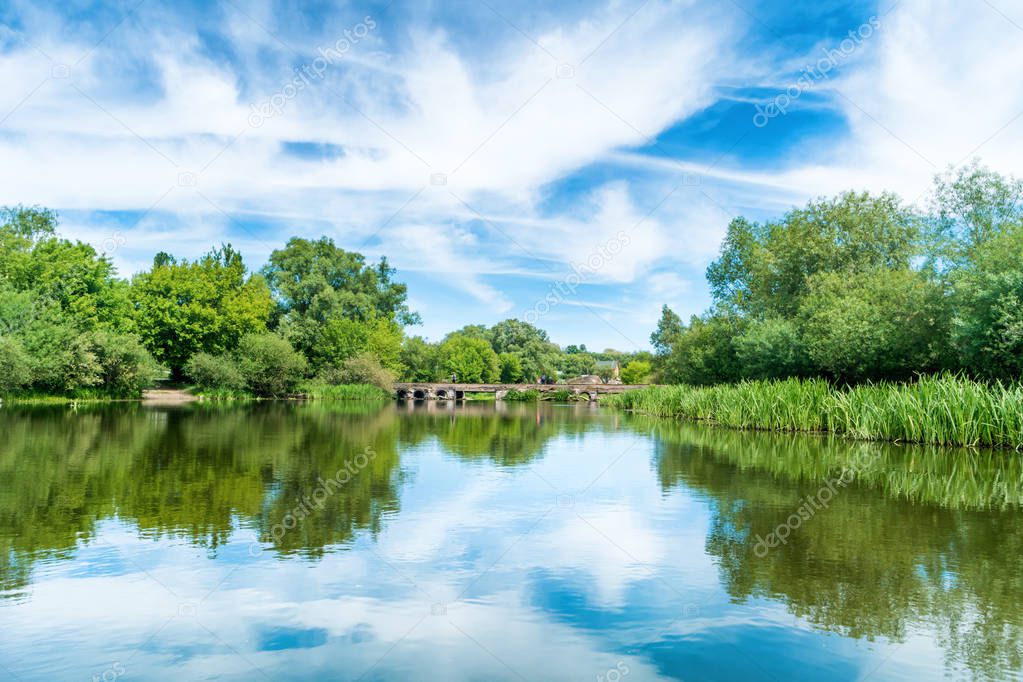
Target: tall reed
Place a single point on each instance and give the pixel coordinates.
(943, 410)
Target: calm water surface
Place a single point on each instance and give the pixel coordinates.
(483, 542)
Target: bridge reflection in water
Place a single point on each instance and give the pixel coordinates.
(450, 391)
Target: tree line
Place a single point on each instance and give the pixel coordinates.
(862, 287)
(314, 313)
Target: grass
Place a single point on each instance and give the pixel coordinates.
(84, 395)
(479, 398)
(317, 391)
(222, 394)
(941, 410)
(961, 478)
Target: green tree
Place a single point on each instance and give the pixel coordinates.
(669, 327)
(970, 207)
(636, 372)
(341, 338)
(206, 305)
(70, 274)
(317, 284)
(875, 324)
(772, 348)
(764, 270)
(577, 364)
(987, 300)
(510, 368)
(978, 220)
(419, 360)
(471, 359)
(536, 353)
(703, 353)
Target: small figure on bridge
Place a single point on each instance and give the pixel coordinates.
(454, 378)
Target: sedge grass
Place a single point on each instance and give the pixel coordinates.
(940, 410)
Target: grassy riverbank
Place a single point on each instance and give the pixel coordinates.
(312, 391)
(944, 410)
(32, 397)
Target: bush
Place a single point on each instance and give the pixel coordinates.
(126, 367)
(269, 365)
(364, 368)
(214, 372)
(15, 371)
(559, 396)
(516, 396)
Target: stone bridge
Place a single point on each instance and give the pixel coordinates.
(441, 391)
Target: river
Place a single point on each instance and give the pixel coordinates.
(484, 541)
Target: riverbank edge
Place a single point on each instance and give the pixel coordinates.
(182, 396)
(943, 410)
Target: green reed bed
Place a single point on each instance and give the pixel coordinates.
(943, 410)
(961, 479)
(530, 395)
(344, 392)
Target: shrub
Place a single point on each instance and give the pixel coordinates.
(516, 396)
(214, 372)
(559, 396)
(15, 371)
(269, 365)
(364, 368)
(126, 367)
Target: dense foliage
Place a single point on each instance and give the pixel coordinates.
(185, 307)
(66, 322)
(862, 287)
(852, 289)
(315, 316)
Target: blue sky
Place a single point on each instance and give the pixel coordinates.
(573, 164)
